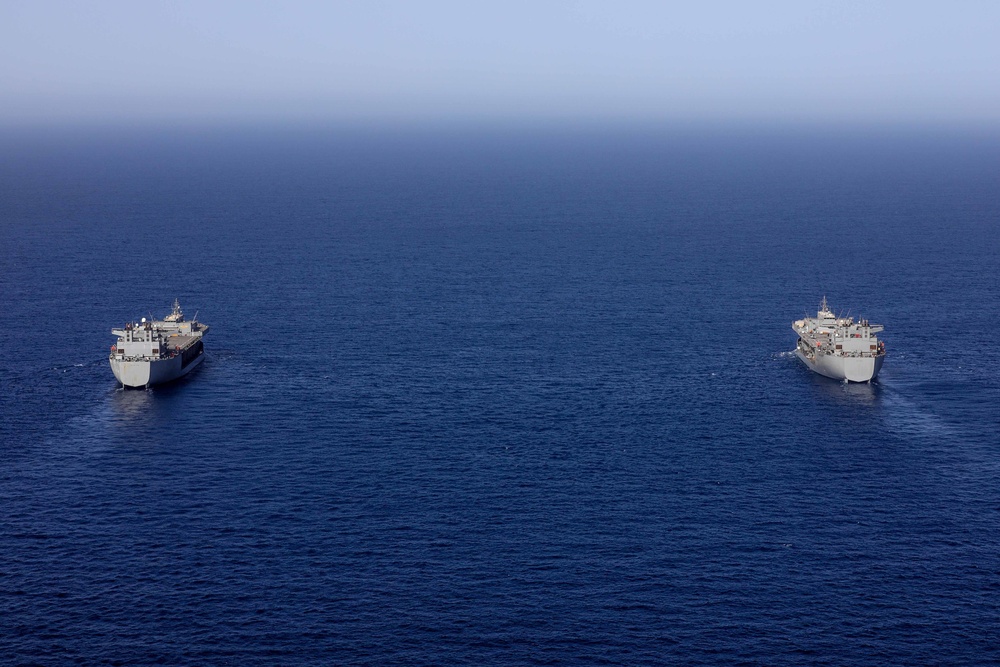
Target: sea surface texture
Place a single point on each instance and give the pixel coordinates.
(502, 397)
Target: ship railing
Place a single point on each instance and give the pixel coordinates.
(855, 354)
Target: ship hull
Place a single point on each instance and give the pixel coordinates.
(146, 373)
(852, 369)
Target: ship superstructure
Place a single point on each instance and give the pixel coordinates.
(156, 351)
(839, 347)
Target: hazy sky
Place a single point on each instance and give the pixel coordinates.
(754, 59)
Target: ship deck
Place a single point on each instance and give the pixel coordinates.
(180, 341)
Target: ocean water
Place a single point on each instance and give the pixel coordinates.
(500, 397)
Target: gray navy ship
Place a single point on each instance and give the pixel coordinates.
(157, 351)
(839, 347)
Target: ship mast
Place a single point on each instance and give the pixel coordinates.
(177, 315)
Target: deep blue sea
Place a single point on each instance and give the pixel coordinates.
(508, 396)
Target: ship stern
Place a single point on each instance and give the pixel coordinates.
(862, 369)
(130, 373)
